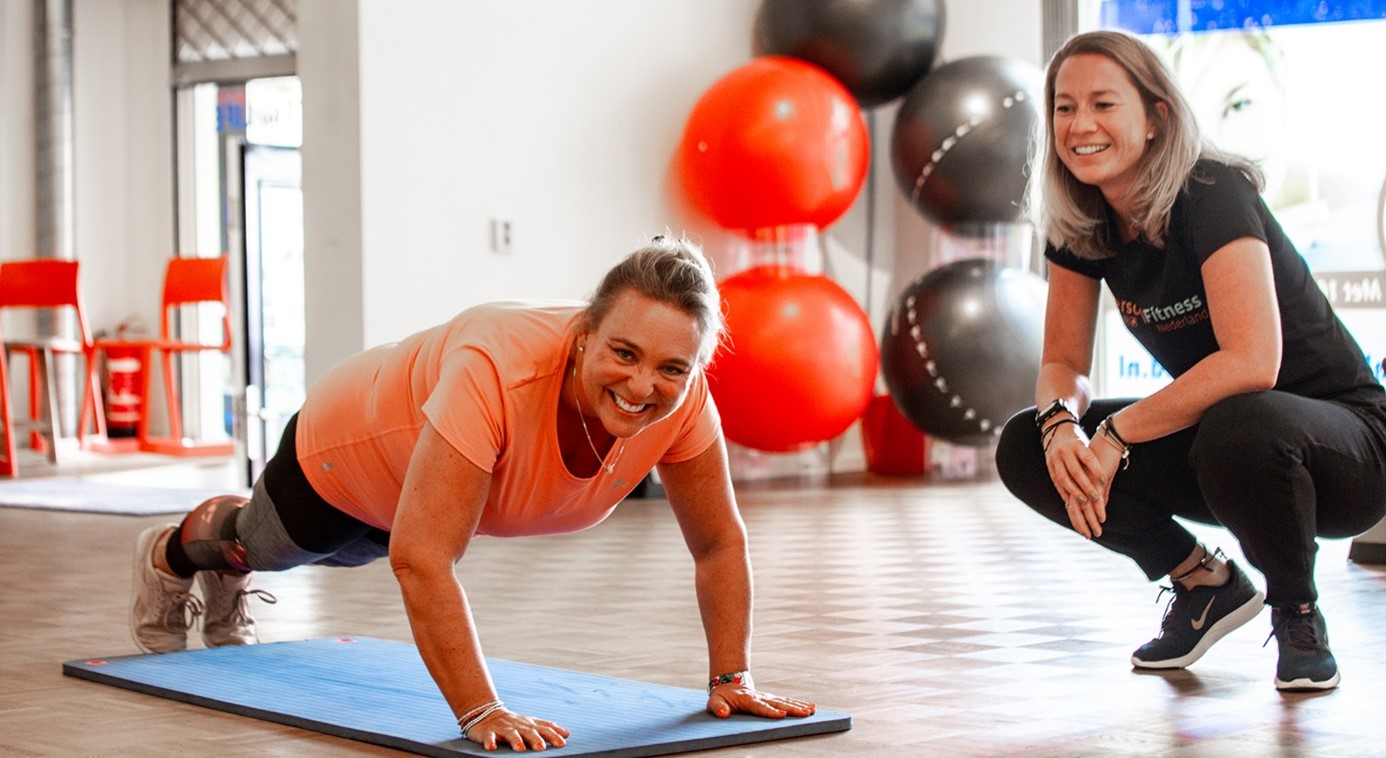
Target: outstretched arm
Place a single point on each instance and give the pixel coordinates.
(439, 510)
(700, 493)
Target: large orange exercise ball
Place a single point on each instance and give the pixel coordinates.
(775, 142)
(799, 363)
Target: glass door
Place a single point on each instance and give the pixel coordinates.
(274, 327)
(239, 192)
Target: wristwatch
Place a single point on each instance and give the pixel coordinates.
(1053, 409)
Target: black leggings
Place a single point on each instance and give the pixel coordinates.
(1276, 470)
(310, 521)
(286, 523)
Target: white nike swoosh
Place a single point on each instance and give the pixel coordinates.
(1198, 622)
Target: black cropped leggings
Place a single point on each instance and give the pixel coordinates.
(1276, 470)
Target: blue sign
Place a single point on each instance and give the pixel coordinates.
(1174, 16)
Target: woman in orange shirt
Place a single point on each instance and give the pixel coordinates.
(511, 419)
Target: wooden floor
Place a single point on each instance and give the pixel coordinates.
(943, 616)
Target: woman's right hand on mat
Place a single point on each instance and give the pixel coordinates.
(518, 731)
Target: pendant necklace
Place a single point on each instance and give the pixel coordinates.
(611, 467)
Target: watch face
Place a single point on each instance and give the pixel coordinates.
(1053, 409)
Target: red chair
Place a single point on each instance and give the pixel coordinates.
(44, 285)
(8, 465)
(187, 282)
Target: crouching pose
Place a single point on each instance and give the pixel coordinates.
(1273, 426)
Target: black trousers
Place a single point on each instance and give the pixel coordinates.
(1276, 470)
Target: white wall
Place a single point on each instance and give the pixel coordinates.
(123, 167)
(124, 138)
(16, 128)
(333, 216)
(560, 117)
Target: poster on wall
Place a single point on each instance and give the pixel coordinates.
(1289, 84)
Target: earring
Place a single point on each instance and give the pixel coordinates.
(580, 348)
(1150, 135)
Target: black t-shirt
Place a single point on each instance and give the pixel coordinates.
(1162, 300)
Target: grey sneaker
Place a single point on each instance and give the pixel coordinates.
(227, 620)
(1197, 618)
(162, 608)
(1305, 662)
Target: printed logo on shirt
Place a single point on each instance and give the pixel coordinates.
(1165, 318)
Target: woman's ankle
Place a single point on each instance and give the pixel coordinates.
(1208, 570)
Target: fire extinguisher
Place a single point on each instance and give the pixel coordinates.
(124, 384)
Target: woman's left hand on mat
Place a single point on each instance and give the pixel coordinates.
(731, 698)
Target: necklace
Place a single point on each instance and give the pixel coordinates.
(611, 467)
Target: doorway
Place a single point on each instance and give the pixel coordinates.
(240, 192)
(274, 377)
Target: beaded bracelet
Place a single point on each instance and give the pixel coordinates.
(736, 677)
(475, 716)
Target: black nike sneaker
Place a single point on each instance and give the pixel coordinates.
(1305, 663)
(1196, 618)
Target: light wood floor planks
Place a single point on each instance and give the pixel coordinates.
(944, 616)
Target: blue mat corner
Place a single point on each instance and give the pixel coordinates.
(379, 692)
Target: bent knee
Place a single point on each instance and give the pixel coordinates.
(1242, 432)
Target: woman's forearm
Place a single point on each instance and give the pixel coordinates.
(441, 622)
(723, 585)
(1182, 403)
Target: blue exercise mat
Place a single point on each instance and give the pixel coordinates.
(379, 692)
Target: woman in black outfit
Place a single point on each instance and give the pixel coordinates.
(1273, 426)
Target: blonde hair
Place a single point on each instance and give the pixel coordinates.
(669, 270)
(1074, 214)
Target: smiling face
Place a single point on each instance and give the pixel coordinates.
(1100, 125)
(634, 366)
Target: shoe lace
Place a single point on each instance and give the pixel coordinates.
(1170, 615)
(239, 611)
(182, 612)
(1177, 591)
(1299, 629)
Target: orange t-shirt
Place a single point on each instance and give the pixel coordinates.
(489, 382)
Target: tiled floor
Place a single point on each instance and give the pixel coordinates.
(943, 616)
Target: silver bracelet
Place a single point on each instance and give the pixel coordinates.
(1109, 433)
(466, 721)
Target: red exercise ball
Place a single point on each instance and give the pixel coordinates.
(799, 363)
(775, 142)
(893, 445)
